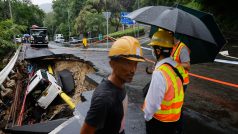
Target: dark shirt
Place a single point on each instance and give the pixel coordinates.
(106, 110)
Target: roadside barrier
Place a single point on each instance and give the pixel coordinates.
(214, 80)
(5, 72)
(104, 39)
(205, 78)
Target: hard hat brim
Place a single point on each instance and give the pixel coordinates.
(163, 46)
(136, 59)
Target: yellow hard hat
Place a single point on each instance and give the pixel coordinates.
(162, 38)
(127, 47)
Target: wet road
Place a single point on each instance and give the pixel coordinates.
(209, 107)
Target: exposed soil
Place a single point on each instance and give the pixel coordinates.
(58, 108)
(79, 70)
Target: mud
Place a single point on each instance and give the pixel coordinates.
(58, 108)
(79, 70)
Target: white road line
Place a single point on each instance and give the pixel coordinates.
(226, 54)
(227, 61)
(146, 48)
(216, 60)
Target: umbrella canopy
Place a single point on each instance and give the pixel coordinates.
(210, 23)
(201, 51)
(173, 19)
(26, 35)
(204, 47)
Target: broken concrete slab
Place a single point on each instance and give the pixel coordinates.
(31, 53)
(39, 128)
(195, 96)
(73, 125)
(93, 79)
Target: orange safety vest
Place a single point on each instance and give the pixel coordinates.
(176, 56)
(170, 108)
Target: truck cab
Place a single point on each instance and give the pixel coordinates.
(39, 36)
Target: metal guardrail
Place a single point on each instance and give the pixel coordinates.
(5, 72)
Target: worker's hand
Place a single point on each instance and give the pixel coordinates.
(186, 65)
(149, 69)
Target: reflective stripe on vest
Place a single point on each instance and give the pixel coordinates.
(184, 74)
(170, 108)
(176, 56)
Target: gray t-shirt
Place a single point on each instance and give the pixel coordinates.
(184, 55)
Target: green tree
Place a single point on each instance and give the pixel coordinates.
(225, 13)
(62, 16)
(75, 6)
(95, 24)
(89, 20)
(143, 3)
(61, 8)
(23, 14)
(4, 12)
(27, 14)
(49, 22)
(7, 30)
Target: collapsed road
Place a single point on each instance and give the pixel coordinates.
(209, 107)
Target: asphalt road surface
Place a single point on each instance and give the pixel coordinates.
(209, 107)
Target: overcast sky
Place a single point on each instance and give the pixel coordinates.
(39, 2)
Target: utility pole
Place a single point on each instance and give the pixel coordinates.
(138, 6)
(107, 22)
(107, 16)
(107, 29)
(52, 33)
(68, 24)
(10, 10)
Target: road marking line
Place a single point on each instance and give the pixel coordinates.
(146, 48)
(216, 60)
(226, 54)
(227, 61)
(207, 78)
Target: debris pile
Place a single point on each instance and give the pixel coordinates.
(16, 90)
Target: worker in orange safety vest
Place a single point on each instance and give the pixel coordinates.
(165, 97)
(181, 54)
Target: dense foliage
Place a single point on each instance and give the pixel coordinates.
(128, 32)
(83, 16)
(7, 30)
(23, 16)
(75, 17)
(22, 13)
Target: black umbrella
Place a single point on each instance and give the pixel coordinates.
(196, 29)
(173, 19)
(210, 23)
(201, 51)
